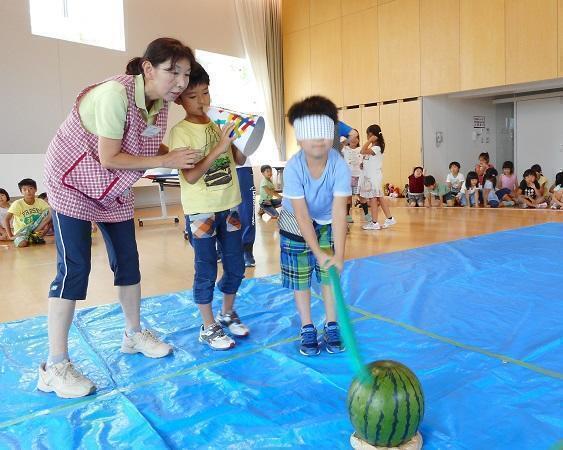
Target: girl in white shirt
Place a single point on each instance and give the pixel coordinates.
(371, 181)
(469, 194)
(353, 158)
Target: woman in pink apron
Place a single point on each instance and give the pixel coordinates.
(112, 135)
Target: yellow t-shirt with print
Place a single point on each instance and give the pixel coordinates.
(218, 189)
(25, 214)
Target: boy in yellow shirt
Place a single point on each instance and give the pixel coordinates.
(210, 198)
(31, 216)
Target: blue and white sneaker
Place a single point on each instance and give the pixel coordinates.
(331, 337)
(309, 344)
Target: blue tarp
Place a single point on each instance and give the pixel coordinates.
(478, 320)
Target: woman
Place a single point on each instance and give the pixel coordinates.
(112, 135)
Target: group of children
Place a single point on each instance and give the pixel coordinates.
(484, 187)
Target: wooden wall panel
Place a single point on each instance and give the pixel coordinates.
(390, 127)
(531, 40)
(410, 121)
(290, 142)
(369, 116)
(326, 60)
(295, 15)
(296, 66)
(353, 117)
(482, 44)
(560, 32)
(399, 49)
(353, 6)
(323, 10)
(439, 46)
(360, 68)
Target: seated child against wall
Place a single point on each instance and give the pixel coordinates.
(4, 206)
(269, 198)
(493, 198)
(543, 182)
(469, 194)
(415, 196)
(31, 216)
(529, 191)
(454, 181)
(556, 191)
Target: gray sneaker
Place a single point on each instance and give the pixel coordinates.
(64, 380)
(215, 337)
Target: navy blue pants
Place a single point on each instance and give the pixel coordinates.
(205, 232)
(247, 207)
(73, 238)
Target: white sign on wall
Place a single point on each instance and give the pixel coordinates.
(478, 121)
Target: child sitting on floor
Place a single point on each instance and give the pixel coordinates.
(529, 191)
(4, 206)
(454, 181)
(269, 198)
(31, 216)
(557, 192)
(415, 196)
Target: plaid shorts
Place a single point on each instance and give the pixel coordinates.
(298, 261)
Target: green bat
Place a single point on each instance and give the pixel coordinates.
(348, 337)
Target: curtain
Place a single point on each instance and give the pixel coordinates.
(260, 27)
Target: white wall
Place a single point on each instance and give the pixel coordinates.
(539, 135)
(41, 77)
(454, 118)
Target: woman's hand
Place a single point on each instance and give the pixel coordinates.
(181, 158)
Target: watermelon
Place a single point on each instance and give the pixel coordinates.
(387, 409)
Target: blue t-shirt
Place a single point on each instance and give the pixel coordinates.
(318, 193)
(344, 129)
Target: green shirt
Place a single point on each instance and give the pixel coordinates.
(440, 189)
(103, 110)
(264, 196)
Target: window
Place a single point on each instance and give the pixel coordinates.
(233, 86)
(93, 22)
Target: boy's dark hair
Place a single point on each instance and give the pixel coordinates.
(315, 105)
(429, 180)
(27, 182)
(558, 179)
(42, 196)
(198, 76)
(508, 165)
(376, 131)
(472, 175)
(265, 167)
(5, 192)
(454, 163)
(485, 156)
(536, 168)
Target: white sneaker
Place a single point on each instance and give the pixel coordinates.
(147, 343)
(215, 337)
(554, 206)
(542, 205)
(371, 226)
(232, 322)
(389, 222)
(64, 380)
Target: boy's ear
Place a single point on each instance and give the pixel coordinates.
(178, 100)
